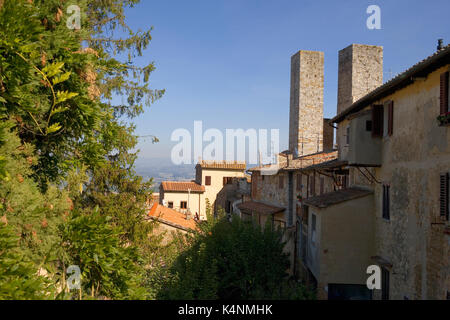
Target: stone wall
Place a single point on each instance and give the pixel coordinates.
(415, 239)
(360, 72)
(306, 102)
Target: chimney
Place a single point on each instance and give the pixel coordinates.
(440, 44)
(188, 214)
(360, 72)
(306, 103)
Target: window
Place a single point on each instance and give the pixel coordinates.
(207, 180)
(281, 181)
(386, 202)
(307, 186)
(345, 181)
(384, 284)
(313, 228)
(377, 120)
(322, 185)
(227, 180)
(390, 123)
(342, 181)
(444, 196)
(299, 182)
(170, 204)
(347, 136)
(444, 92)
(278, 224)
(388, 118)
(369, 125)
(305, 214)
(183, 205)
(298, 210)
(228, 206)
(254, 184)
(312, 185)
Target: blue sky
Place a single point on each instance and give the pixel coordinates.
(227, 62)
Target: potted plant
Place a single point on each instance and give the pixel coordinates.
(444, 119)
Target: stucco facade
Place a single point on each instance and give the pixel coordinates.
(340, 243)
(413, 239)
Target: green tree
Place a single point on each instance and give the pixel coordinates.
(109, 267)
(19, 279)
(233, 260)
(70, 146)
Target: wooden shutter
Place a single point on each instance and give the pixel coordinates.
(208, 180)
(313, 185)
(377, 120)
(255, 175)
(299, 182)
(444, 195)
(322, 185)
(307, 186)
(281, 181)
(224, 180)
(384, 284)
(390, 117)
(444, 92)
(386, 202)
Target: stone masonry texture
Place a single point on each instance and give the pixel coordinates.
(360, 72)
(306, 103)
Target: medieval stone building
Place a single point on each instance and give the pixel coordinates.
(382, 198)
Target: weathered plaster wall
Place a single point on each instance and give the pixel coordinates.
(196, 202)
(414, 238)
(216, 186)
(346, 242)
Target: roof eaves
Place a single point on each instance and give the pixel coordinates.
(422, 68)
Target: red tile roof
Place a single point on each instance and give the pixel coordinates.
(302, 162)
(182, 186)
(171, 217)
(229, 165)
(260, 207)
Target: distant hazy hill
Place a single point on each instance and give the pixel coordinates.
(161, 169)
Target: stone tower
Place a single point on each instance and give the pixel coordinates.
(306, 103)
(360, 72)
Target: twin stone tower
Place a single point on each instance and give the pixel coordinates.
(360, 71)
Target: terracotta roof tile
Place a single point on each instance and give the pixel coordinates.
(332, 198)
(229, 165)
(182, 186)
(302, 162)
(171, 217)
(260, 207)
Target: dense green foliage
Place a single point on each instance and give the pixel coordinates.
(233, 260)
(68, 191)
